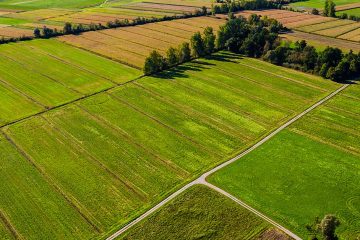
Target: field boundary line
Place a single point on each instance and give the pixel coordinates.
(236, 109)
(202, 178)
(69, 199)
(188, 111)
(132, 188)
(164, 125)
(10, 227)
(244, 205)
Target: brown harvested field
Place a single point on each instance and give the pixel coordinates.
(155, 34)
(348, 6)
(15, 32)
(130, 12)
(125, 57)
(168, 30)
(296, 19)
(139, 41)
(41, 14)
(326, 25)
(323, 40)
(310, 21)
(337, 31)
(165, 7)
(351, 35)
(41, 25)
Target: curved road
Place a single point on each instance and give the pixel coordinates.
(202, 178)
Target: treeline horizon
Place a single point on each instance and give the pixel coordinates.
(259, 37)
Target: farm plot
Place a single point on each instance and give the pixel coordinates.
(320, 3)
(186, 3)
(285, 177)
(352, 12)
(123, 150)
(41, 14)
(319, 25)
(206, 213)
(27, 70)
(138, 41)
(13, 32)
(47, 4)
(162, 7)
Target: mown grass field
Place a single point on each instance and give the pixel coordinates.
(320, 3)
(200, 213)
(353, 12)
(308, 170)
(28, 76)
(115, 154)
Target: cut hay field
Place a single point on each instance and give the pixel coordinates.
(314, 24)
(309, 170)
(109, 157)
(200, 213)
(131, 45)
(28, 76)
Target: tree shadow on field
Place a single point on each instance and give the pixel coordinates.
(197, 65)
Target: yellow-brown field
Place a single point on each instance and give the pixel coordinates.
(132, 45)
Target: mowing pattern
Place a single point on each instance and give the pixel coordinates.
(309, 170)
(30, 83)
(131, 45)
(113, 155)
(200, 212)
(319, 25)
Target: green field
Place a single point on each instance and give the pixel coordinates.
(309, 170)
(320, 3)
(28, 76)
(200, 213)
(41, 4)
(114, 154)
(353, 12)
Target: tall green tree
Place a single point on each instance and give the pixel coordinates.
(197, 45)
(172, 56)
(184, 53)
(328, 227)
(326, 8)
(154, 63)
(209, 40)
(331, 9)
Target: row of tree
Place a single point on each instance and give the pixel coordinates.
(258, 37)
(200, 45)
(331, 63)
(235, 6)
(238, 35)
(69, 28)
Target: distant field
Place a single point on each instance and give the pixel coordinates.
(200, 213)
(132, 45)
(28, 75)
(353, 12)
(308, 170)
(320, 3)
(115, 154)
(42, 4)
(317, 25)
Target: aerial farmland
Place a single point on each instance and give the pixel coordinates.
(181, 119)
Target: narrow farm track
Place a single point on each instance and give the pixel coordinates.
(202, 178)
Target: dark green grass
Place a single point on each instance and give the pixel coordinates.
(199, 213)
(294, 179)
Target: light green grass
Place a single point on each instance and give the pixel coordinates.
(42, 4)
(35, 209)
(199, 213)
(11, 21)
(309, 171)
(53, 73)
(117, 153)
(353, 12)
(320, 3)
